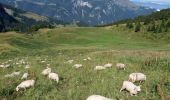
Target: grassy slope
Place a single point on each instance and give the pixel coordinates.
(103, 45)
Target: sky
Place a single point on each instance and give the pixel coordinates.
(156, 1)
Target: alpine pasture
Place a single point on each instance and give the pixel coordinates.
(61, 48)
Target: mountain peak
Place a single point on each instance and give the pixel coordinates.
(91, 12)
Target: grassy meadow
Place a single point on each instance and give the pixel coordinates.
(103, 45)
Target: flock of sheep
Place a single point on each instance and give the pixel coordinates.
(128, 85)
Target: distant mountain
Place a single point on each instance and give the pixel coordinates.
(91, 12)
(15, 19)
(5, 19)
(151, 4)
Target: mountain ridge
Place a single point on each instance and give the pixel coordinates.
(13, 19)
(91, 12)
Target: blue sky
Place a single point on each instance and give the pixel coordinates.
(156, 1)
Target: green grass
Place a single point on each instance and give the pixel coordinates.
(103, 45)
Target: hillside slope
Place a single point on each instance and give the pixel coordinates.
(19, 20)
(90, 12)
(54, 47)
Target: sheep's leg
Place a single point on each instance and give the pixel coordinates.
(140, 82)
(24, 89)
(131, 94)
(122, 89)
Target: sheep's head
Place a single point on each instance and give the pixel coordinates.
(33, 82)
(17, 88)
(137, 88)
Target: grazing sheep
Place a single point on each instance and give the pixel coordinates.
(99, 68)
(85, 59)
(25, 84)
(69, 61)
(88, 58)
(120, 66)
(109, 65)
(25, 76)
(16, 73)
(2, 66)
(5, 66)
(77, 65)
(13, 74)
(137, 77)
(9, 75)
(46, 71)
(27, 66)
(97, 97)
(43, 61)
(53, 76)
(129, 86)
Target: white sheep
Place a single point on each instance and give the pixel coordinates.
(5, 65)
(97, 97)
(109, 65)
(129, 86)
(53, 76)
(46, 71)
(69, 61)
(99, 68)
(88, 58)
(27, 66)
(43, 61)
(25, 76)
(16, 73)
(120, 66)
(25, 84)
(9, 75)
(77, 65)
(13, 74)
(2, 66)
(137, 77)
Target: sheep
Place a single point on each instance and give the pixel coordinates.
(9, 75)
(109, 65)
(16, 73)
(99, 68)
(97, 97)
(46, 71)
(69, 61)
(27, 66)
(77, 65)
(88, 58)
(137, 77)
(25, 76)
(53, 76)
(2, 66)
(25, 84)
(129, 86)
(43, 61)
(120, 66)
(13, 74)
(5, 66)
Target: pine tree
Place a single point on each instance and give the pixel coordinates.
(138, 27)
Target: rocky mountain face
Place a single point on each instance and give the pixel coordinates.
(91, 12)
